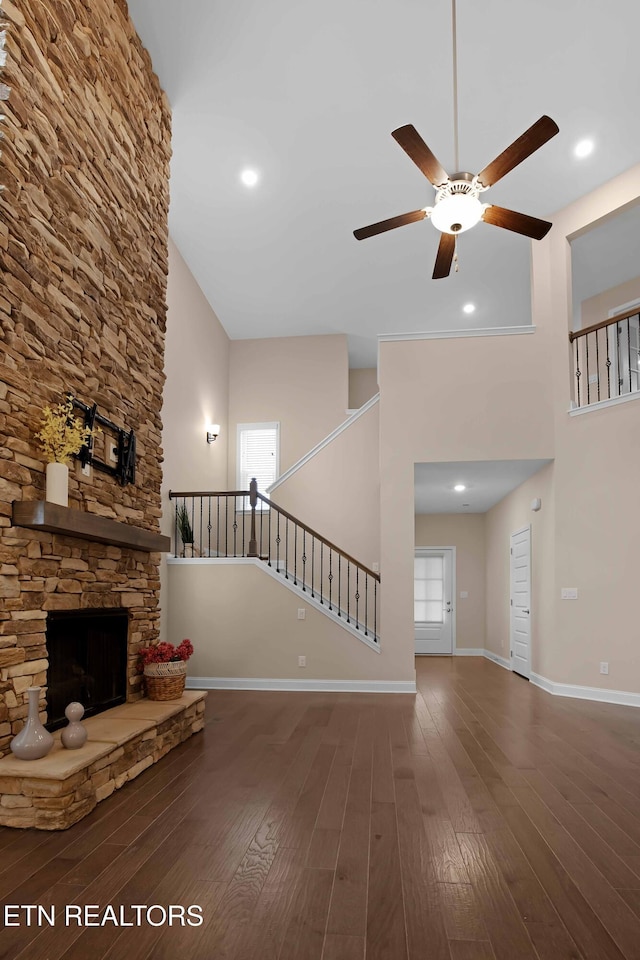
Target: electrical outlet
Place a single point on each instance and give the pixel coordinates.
(569, 593)
(464, 594)
(375, 567)
(86, 470)
(302, 613)
(113, 453)
(302, 661)
(604, 666)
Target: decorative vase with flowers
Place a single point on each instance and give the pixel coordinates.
(61, 437)
(165, 669)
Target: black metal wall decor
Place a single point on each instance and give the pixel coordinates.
(123, 443)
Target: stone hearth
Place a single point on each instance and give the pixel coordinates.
(55, 792)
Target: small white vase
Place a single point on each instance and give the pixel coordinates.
(57, 483)
(33, 741)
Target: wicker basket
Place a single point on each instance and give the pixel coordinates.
(165, 681)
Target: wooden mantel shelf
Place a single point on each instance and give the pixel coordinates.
(42, 515)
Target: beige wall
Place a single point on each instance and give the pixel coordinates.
(511, 514)
(195, 393)
(337, 492)
(300, 382)
(243, 623)
(595, 478)
(363, 384)
(597, 308)
(499, 409)
(465, 532)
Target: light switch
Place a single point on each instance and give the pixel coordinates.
(569, 593)
(464, 594)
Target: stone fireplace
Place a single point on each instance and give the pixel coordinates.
(84, 257)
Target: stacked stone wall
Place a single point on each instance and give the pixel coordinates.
(83, 252)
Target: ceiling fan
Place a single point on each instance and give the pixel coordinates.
(457, 204)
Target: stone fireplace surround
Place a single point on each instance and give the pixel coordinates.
(84, 573)
(84, 258)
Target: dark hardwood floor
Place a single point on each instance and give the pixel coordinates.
(481, 820)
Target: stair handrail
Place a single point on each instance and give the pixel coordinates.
(618, 318)
(318, 536)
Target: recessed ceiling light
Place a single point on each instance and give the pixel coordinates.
(459, 487)
(583, 148)
(249, 178)
(469, 308)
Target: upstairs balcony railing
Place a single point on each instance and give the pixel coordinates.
(244, 523)
(606, 359)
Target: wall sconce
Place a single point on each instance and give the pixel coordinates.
(213, 429)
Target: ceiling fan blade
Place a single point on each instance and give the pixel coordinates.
(518, 222)
(413, 144)
(531, 140)
(444, 256)
(391, 224)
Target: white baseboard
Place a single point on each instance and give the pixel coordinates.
(321, 686)
(496, 658)
(600, 694)
(468, 652)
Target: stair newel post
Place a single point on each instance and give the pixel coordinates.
(253, 499)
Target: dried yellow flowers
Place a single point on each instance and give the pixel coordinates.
(62, 434)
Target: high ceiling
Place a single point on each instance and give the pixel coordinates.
(308, 94)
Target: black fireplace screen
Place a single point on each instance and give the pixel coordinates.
(87, 652)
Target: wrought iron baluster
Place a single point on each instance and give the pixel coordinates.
(304, 559)
(269, 532)
(175, 531)
(235, 527)
(278, 542)
(586, 347)
(375, 609)
(339, 582)
(295, 554)
(366, 603)
(313, 565)
(226, 526)
(348, 589)
(619, 377)
(261, 527)
(598, 360)
(608, 365)
(217, 526)
(193, 522)
(243, 501)
(629, 349)
(330, 577)
(286, 549)
(321, 570)
(357, 596)
(209, 527)
(578, 368)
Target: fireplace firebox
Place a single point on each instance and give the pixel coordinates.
(87, 651)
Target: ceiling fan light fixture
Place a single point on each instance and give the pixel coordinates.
(456, 213)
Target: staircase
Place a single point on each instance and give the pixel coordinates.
(244, 523)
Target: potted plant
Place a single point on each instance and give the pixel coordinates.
(165, 669)
(61, 437)
(185, 529)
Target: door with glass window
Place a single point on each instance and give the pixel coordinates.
(433, 594)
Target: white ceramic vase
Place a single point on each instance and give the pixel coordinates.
(33, 741)
(57, 483)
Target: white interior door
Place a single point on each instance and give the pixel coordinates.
(433, 593)
(520, 619)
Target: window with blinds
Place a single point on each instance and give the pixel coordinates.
(428, 580)
(258, 455)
